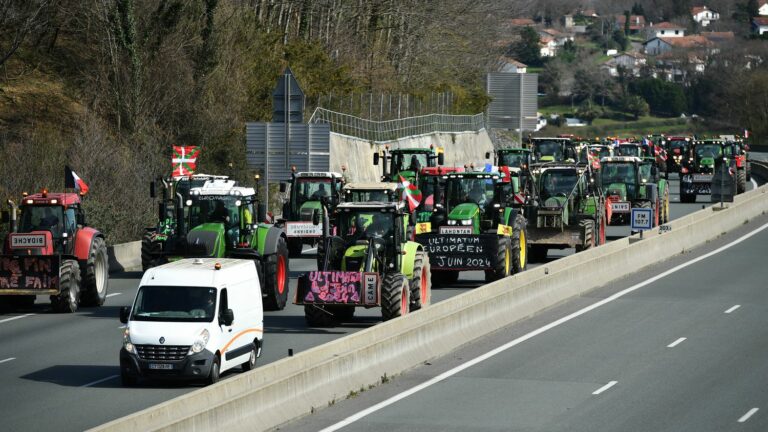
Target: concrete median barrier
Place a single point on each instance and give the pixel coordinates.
(124, 256)
(292, 387)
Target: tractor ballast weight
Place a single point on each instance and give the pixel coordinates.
(369, 263)
(51, 251)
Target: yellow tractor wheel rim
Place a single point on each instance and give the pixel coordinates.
(522, 250)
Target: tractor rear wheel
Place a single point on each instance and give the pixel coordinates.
(150, 251)
(276, 277)
(69, 280)
(95, 275)
(395, 294)
(442, 278)
(519, 245)
(295, 245)
(741, 181)
(587, 231)
(421, 282)
(318, 316)
(502, 262)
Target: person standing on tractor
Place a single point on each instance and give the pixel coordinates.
(220, 213)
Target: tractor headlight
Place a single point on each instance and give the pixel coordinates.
(451, 222)
(127, 344)
(466, 222)
(200, 342)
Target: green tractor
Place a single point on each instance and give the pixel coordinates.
(513, 157)
(631, 182)
(475, 227)
(567, 208)
(552, 149)
(432, 182)
(369, 263)
(224, 221)
(407, 162)
(169, 234)
(308, 189)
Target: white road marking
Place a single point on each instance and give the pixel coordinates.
(15, 318)
(113, 294)
(100, 381)
(754, 184)
(676, 343)
(314, 249)
(498, 350)
(605, 387)
(8, 359)
(749, 414)
(732, 309)
(122, 327)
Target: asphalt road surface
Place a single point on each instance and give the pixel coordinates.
(685, 352)
(60, 371)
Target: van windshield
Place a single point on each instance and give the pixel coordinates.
(175, 303)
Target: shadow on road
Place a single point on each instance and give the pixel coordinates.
(76, 375)
(126, 275)
(292, 324)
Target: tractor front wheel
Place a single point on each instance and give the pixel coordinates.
(519, 245)
(502, 264)
(587, 231)
(741, 181)
(421, 282)
(317, 316)
(276, 277)
(395, 296)
(69, 280)
(95, 275)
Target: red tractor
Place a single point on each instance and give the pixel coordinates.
(51, 251)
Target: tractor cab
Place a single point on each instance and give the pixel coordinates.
(55, 216)
(553, 150)
(407, 162)
(629, 150)
(471, 201)
(620, 177)
(369, 192)
(308, 192)
(600, 151)
(512, 157)
(632, 182)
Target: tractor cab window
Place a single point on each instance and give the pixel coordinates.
(409, 162)
(618, 173)
(214, 209)
(70, 221)
(312, 189)
(513, 159)
(677, 147)
(628, 150)
(470, 190)
(601, 152)
(368, 196)
(548, 148)
(709, 151)
(556, 182)
(43, 218)
(367, 225)
(646, 173)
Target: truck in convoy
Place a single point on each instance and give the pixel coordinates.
(307, 190)
(367, 263)
(476, 228)
(52, 251)
(193, 319)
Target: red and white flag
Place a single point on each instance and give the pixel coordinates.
(184, 160)
(411, 194)
(73, 181)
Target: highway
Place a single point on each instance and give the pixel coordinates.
(683, 353)
(61, 371)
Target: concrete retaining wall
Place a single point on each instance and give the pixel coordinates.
(283, 390)
(124, 256)
(357, 155)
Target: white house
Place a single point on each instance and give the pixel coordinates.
(547, 47)
(763, 7)
(665, 30)
(760, 24)
(704, 15)
(630, 61)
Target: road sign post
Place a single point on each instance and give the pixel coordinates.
(642, 220)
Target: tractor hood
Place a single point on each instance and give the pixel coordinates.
(207, 240)
(308, 209)
(547, 158)
(555, 202)
(617, 189)
(707, 162)
(464, 211)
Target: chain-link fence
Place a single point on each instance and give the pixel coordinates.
(389, 106)
(390, 130)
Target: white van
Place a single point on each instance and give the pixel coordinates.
(193, 318)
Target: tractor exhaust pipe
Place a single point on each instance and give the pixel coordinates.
(180, 213)
(14, 225)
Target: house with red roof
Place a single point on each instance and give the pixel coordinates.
(760, 24)
(703, 15)
(664, 29)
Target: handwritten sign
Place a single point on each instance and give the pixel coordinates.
(464, 252)
(338, 287)
(29, 274)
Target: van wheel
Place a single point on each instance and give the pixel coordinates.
(251, 363)
(213, 376)
(128, 380)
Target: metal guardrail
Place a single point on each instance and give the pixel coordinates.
(391, 130)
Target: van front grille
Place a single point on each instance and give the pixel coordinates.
(162, 352)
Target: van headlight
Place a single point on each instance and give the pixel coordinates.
(127, 344)
(466, 222)
(200, 342)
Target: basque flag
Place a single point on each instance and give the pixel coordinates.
(73, 181)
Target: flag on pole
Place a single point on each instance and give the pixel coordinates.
(411, 194)
(184, 160)
(73, 181)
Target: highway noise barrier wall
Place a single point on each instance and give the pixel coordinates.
(292, 387)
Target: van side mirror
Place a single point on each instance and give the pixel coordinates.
(125, 312)
(283, 187)
(376, 158)
(441, 159)
(227, 317)
(152, 191)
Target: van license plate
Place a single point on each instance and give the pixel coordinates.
(162, 366)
